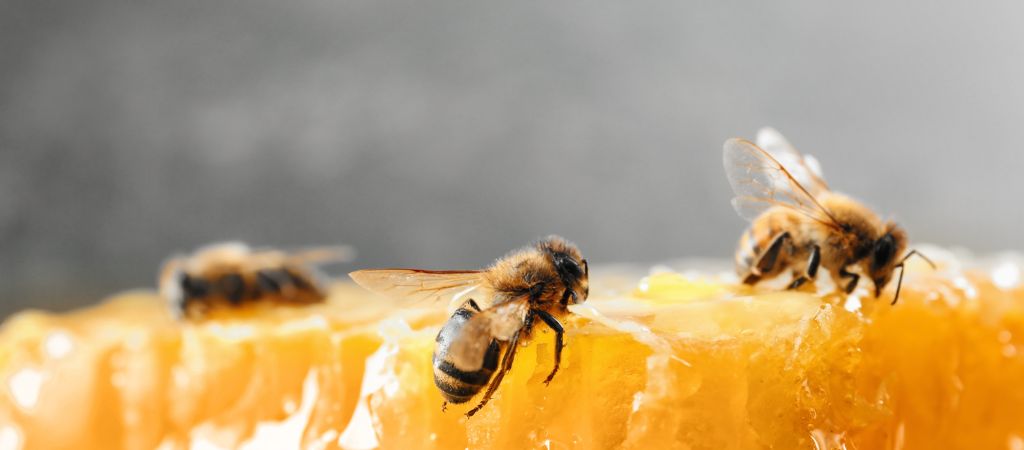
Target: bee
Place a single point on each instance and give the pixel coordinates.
(231, 274)
(476, 347)
(799, 224)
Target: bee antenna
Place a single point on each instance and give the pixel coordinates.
(919, 254)
(899, 282)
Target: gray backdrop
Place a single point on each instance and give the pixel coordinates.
(444, 133)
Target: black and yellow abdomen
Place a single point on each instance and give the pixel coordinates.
(456, 385)
(767, 247)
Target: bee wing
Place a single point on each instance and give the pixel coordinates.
(417, 284)
(804, 168)
(761, 182)
(499, 322)
(323, 255)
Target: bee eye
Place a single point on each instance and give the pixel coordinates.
(568, 266)
(883, 253)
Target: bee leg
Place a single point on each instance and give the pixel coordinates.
(506, 364)
(573, 295)
(854, 278)
(569, 293)
(751, 278)
(812, 269)
(472, 304)
(765, 262)
(559, 335)
(444, 406)
(799, 281)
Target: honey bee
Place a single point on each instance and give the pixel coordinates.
(476, 347)
(231, 273)
(799, 224)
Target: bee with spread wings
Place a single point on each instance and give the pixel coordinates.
(799, 224)
(476, 347)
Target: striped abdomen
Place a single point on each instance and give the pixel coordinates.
(458, 386)
(761, 253)
(235, 288)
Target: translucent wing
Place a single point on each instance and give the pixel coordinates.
(323, 255)
(761, 182)
(500, 322)
(417, 284)
(804, 168)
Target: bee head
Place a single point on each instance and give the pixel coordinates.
(572, 269)
(884, 256)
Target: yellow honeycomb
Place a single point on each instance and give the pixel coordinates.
(668, 362)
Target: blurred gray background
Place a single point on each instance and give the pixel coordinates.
(443, 134)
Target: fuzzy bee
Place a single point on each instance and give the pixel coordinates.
(476, 347)
(230, 274)
(798, 224)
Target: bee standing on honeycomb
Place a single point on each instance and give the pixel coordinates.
(230, 274)
(476, 347)
(798, 223)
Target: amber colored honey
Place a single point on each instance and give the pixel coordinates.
(676, 362)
